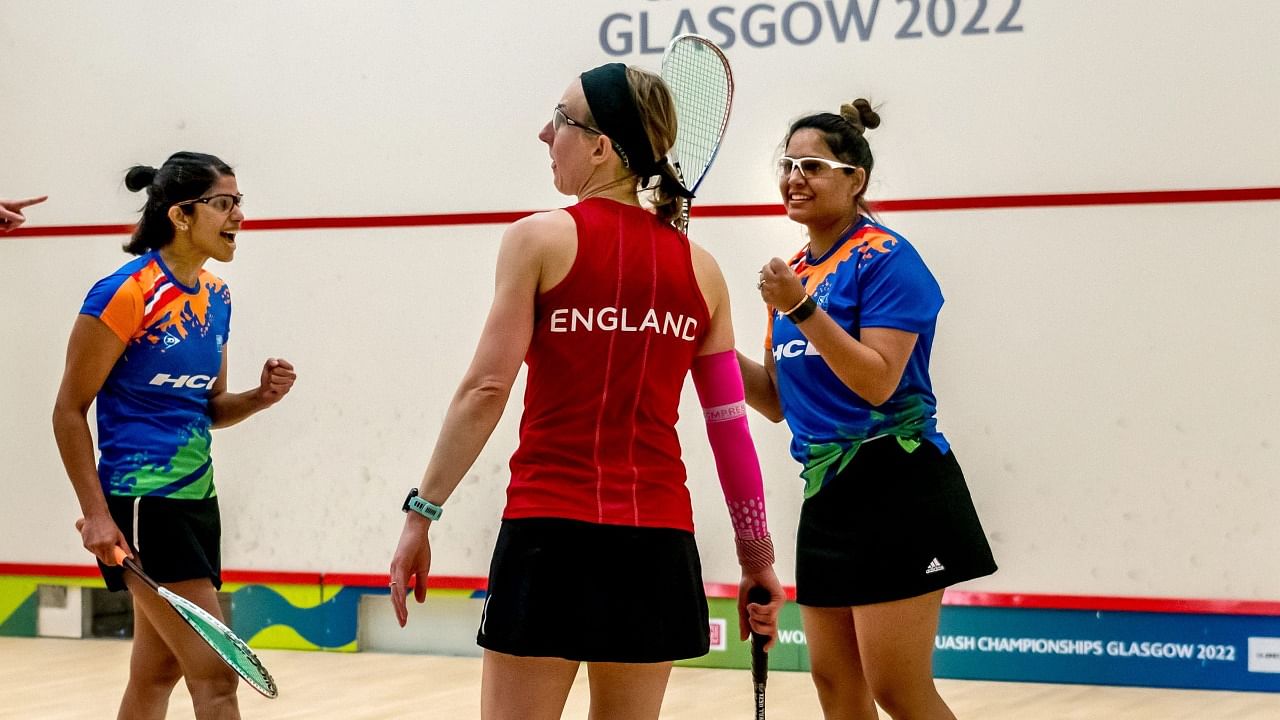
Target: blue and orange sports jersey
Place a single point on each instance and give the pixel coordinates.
(871, 278)
(153, 417)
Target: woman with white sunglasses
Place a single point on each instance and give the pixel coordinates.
(887, 520)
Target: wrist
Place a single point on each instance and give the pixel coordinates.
(416, 522)
(802, 310)
(98, 515)
(756, 554)
(262, 399)
(416, 505)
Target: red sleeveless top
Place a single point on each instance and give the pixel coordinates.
(612, 344)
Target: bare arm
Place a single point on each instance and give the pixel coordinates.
(871, 367)
(227, 408)
(92, 352)
(481, 397)
(761, 383)
(715, 293)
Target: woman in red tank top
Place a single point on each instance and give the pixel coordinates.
(611, 308)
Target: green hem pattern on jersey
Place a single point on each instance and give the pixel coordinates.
(828, 460)
(825, 460)
(188, 476)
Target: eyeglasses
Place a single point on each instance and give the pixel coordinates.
(810, 167)
(559, 120)
(220, 204)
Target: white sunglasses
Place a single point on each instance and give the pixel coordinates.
(810, 167)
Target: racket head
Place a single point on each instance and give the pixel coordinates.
(701, 83)
(233, 651)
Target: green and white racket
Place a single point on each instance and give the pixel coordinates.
(701, 83)
(233, 651)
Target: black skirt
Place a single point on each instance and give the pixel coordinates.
(894, 525)
(594, 593)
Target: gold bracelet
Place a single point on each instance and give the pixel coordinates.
(798, 314)
(797, 305)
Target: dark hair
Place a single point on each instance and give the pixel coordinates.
(184, 176)
(844, 134)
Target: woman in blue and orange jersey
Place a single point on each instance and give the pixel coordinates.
(887, 522)
(150, 346)
(611, 308)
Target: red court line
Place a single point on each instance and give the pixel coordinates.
(1139, 197)
(375, 221)
(974, 202)
(266, 577)
(248, 577)
(724, 590)
(380, 580)
(44, 570)
(69, 230)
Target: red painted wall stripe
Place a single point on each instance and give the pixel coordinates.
(976, 202)
(36, 570)
(437, 582)
(272, 577)
(724, 590)
(1141, 197)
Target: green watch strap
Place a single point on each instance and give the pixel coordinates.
(423, 507)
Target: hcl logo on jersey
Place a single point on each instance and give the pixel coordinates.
(793, 349)
(184, 381)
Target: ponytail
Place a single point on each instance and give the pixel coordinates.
(184, 176)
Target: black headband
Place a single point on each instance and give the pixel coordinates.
(609, 98)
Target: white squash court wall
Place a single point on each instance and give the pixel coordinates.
(1107, 375)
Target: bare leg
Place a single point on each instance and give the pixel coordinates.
(153, 673)
(836, 665)
(524, 688)
(627, 691)
(211, 683)
(896, 643)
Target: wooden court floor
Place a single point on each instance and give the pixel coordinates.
(52, 679)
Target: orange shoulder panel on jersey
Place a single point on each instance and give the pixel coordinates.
(123, 313)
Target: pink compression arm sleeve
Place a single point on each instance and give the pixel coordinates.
(719, 384)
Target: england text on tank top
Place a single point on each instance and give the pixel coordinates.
(153, 419)
(612, 344)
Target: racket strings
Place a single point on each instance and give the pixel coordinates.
(225, 643)
(703, 91)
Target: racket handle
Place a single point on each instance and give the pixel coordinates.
(759, 657)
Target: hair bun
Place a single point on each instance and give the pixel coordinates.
(860, 115)
(139, 177)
